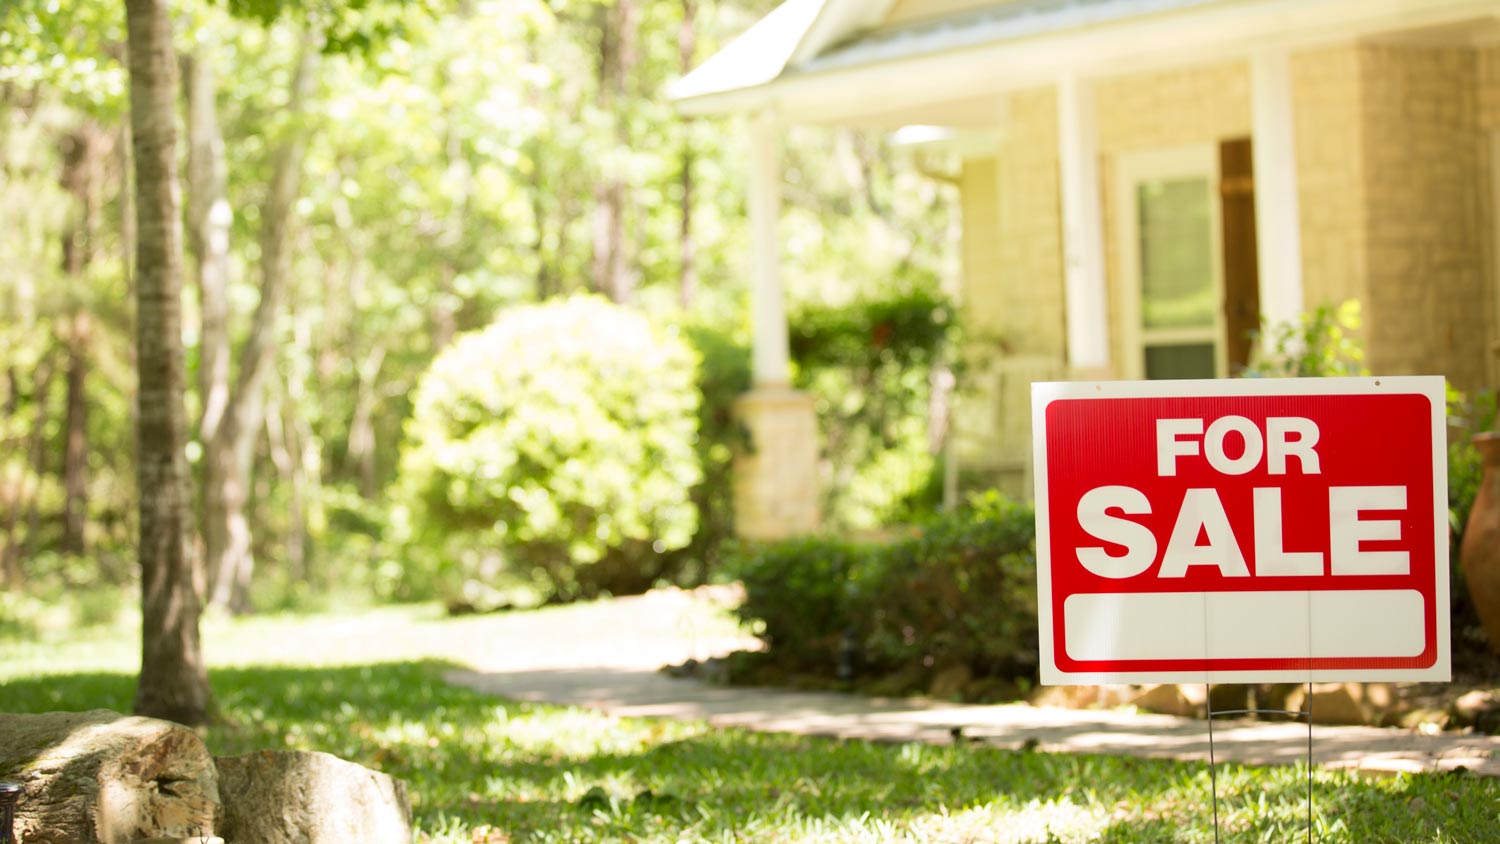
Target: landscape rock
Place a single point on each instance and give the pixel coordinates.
(949, 683)
(1479, 709)
(991, 690)
(1084, 697)
(104, 778)
(1424, 720)
(295, 797)
(898, 683)
(1165, 699)
(1332, 703)
(1226, 697)
(1273, 696)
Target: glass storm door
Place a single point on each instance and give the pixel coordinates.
(1171, 261)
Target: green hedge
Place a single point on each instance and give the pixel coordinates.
(958, 591)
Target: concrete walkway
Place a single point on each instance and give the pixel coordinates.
(616, 673)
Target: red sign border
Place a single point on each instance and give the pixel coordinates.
(1433, 388)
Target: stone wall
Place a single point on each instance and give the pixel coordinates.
(1029, 291)
(979, 248)
(1428, 302)
(1487, 116)
(1330, 174)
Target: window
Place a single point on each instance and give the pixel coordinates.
(1170, 251)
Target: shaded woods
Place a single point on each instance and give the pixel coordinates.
(232, 259)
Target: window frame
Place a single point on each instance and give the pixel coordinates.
(1131, 170)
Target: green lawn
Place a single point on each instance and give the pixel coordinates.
(486, 770)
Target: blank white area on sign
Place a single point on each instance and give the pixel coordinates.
(1243, 625)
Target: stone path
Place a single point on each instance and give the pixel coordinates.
(614, 670)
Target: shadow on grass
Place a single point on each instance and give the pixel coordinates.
(544, 773)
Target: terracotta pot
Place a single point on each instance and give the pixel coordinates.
(1479, 554)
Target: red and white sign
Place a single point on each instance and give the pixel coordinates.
(1257, 530)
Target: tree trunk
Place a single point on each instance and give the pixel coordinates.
(288, 466)
(229, 456)
(42, 415)
(295, 452)
(83, 151)
(687, 280)
(173, 682)
(209, 218)
(361, 449)
(100, 778)
(76, 446)
(125, 150)
(617, 49)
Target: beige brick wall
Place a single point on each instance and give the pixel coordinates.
(1487, 82)
(1029, 295)
(1428, 301)
(979, 252)
(1330, 174)
(1487, 114)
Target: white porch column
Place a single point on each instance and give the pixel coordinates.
(1278, 220)
(776, 482)
(770, 358)
(1087, 299)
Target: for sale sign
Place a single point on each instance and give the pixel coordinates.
(1259, 530)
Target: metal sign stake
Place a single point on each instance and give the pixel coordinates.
(1213, 769)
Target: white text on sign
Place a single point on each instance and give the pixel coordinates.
(1287, 441)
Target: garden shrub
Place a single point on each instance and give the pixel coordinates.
(1320, 343)
(554, 448)
(868, 366)
(802, 595)
(958, 591)
(723, 376)
(962, 592)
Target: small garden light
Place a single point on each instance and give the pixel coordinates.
(9, 793)
(848, 656)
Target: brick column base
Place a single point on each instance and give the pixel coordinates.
(776, 490)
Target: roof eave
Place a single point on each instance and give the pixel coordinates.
(830, 95)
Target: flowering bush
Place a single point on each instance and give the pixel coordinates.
(556, 447)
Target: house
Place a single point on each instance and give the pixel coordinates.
(1143, 182)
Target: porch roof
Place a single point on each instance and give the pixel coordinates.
(832, 61)
(1002, 22)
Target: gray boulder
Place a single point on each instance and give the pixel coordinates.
(295, 797)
